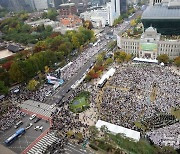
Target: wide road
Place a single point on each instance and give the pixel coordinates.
(67, 86)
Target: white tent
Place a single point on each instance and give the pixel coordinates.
(107, 75)
(145, 60)
(115, 129)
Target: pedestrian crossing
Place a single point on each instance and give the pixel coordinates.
(37, 107)
(41, 146)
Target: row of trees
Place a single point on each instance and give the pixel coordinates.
(16, 30)
(55, 49)
(165, 59)
(121, 56)
(121, 18)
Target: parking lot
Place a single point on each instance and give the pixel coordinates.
(25, 140)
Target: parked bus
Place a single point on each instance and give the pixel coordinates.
(12, 138)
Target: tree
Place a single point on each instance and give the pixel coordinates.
(163, 58)
(99, 59)
(177, 61)
(88, 24)
(3, 88)
(93, 131)
(32, 85)
(133, 23)
(16, 73)
(122, 56)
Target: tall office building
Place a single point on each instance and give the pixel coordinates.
(164, 16)
(41, 4)
(113, 9)
(123, 6)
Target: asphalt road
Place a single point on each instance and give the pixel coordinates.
(66, 88)
(25, 140)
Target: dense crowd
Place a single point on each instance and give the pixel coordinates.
(165, 136)
(83, 58)
(11, 115)
(24, 94)
(136, 92)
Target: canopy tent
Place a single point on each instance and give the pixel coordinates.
(145, 60)
(115, 129)
(107, 75)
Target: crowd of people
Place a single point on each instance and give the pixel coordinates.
(83, 58)
(128, 97)
(24, 94)
(166, 136)
(10, 114)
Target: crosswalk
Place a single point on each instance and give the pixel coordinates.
(75, 149)
(37, 107)
(41, 146)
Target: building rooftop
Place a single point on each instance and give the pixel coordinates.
(161, 12)
(67, 4)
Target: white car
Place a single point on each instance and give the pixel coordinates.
(32, 117)
(41, 128)
(36, 128)
(48, 93)
(29, 126)
(52, 106)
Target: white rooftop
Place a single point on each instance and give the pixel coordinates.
(115, 129)
(145, 60)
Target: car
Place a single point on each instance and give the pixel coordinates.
(36, 127)
(29, 126)
(37, 119)
(32, 117)
(18, 124)
(48, 93)
(41, 128)
(52, 106)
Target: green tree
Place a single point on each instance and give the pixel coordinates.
(99, 59)
(16, 73)
(3, 88)
(32, 85)
(93, 131)
(163, 58)
(177, 61)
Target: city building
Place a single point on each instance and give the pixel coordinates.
(67, 9)
(40, 4)
(149, 45)
(123, 6)
(113, 9)
(45, 22)
(164, 16)
(97, 17)
(71, 21)
(57, 3)
(100, 17)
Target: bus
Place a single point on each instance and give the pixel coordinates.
(13, 137)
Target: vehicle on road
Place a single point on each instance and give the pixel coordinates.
(32, 117)
(52, 106)
(37, 119)
(38, 128)
(13, 137)
(18, 124)
(29, 126)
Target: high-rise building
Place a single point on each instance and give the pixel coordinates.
(164, 16)
(41, 4)
(113, 9)
(123, 6)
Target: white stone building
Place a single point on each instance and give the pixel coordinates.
(103, 16)
(149, 45)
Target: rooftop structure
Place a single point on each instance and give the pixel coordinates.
(164, 16)
(150, 45)
(115, 129)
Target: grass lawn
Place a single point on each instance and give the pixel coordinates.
(80, 103)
